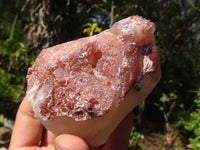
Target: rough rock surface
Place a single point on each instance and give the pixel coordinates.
(89, 77)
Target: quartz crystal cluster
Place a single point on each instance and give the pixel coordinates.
(88, 77)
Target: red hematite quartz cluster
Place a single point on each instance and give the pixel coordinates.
(84, 83)
(88, 77)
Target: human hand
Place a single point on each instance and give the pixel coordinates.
(29, 132)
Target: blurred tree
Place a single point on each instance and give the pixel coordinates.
(53, 22)
(14, 58)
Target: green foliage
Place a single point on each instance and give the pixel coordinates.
(176, 148)
(7, 90)
(134, 140)
(91, 28)
(13, 27)
(189, 124)
(15, 58)
(193, 124)
(13, 67)
(166, 99)
(12, 72)
(1, 120)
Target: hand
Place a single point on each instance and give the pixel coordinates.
(28, 133)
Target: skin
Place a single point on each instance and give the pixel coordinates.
(29, 132)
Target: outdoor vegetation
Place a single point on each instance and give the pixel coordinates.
(170, 117)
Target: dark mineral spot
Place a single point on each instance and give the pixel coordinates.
(146, 49)
(79, 113)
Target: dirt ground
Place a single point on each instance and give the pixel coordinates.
(156, 139)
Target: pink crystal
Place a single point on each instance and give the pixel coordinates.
(89, 77)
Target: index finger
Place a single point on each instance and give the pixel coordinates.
(27, 130)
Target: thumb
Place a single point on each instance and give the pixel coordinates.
(70, 142)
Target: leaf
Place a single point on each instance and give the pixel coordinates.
(87, 30)
(87, 25)
(21, 45)
(1, 119)
(13, 27)
(134, 6)
(172, 96)
(94, 25)
(164, 98)
(182, 105)
(97, 6)
(17, 54)
(91, 28)
(98, 30)
(161, 108)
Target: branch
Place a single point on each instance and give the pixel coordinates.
(170, 110)
(112, 13)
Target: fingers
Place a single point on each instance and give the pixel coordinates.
(48, 138)
(70, 142)
(27, 130)
(50, 147)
